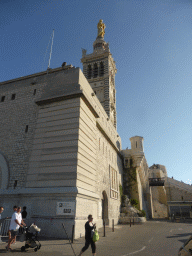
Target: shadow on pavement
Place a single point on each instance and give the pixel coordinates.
(183, 240)
(179, 235)
(12, 251)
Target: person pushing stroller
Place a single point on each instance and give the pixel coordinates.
(16, 222)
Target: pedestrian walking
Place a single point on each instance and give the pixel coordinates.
(89, 231)
(1, 210)
(24, 216)
(1, 220)
(9, 231)
(16, 222)
(24, 212)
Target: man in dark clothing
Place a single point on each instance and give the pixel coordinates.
(89, 229)
(24, 213)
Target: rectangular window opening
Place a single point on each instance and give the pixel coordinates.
(13, 96)
(15, 184)
(2, 98)
(26, 128)
(126, 162)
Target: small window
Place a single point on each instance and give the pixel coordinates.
(26, 128)
(2, 98)
(101, 69)
(34, 92)
(114, 184)
(15, 184)
(13, 96)
(136, 144)
(95, 70)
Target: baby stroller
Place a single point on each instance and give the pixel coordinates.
(30, 236)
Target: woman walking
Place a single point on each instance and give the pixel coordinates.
(89, 230)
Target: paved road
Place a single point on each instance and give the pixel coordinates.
(153, 238)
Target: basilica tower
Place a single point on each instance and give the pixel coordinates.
(99, 68)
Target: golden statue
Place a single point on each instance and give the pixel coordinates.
(101, 28)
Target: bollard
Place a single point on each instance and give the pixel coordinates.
(104, 228)
(133, 221)
(72, 239)
(113, 230)
(130, 222)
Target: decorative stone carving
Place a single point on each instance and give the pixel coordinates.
(84, 52)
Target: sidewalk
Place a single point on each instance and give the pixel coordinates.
(155, 237)
(51, 246)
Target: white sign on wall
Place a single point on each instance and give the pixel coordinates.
(65, 208)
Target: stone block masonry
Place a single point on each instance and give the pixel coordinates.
(59, 147)
(15, 115)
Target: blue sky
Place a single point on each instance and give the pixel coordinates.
(151, 42)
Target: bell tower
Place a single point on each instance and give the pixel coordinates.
(99, 68)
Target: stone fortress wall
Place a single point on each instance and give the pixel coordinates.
(136, 175)
(69, 150)
(178, 191)
(18, 120)
(159, 201)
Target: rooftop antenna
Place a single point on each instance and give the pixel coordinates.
(51, 50)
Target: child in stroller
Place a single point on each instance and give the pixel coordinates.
(30, 236)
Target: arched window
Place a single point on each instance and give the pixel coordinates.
(95, 70)
(89, 72)
(101, 69)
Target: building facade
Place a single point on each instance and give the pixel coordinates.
(136, 175)
(59, 149)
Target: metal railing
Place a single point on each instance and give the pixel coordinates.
(5, 227)
(156, 181)
(6, 224)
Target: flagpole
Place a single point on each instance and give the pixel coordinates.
(51, 50)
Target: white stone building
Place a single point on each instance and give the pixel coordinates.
(60, 153)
